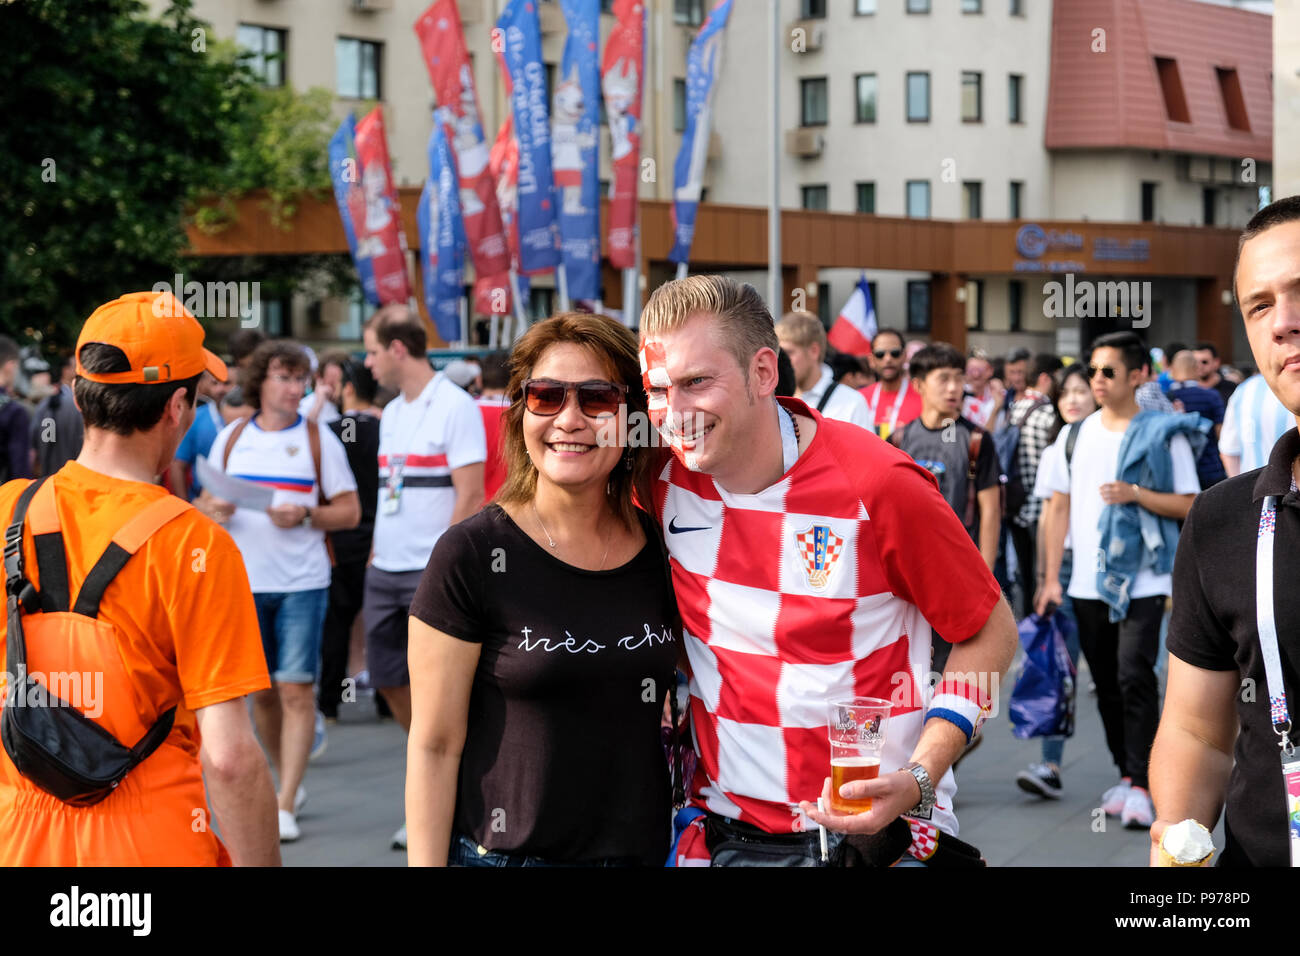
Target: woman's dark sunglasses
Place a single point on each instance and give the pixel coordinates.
(545, 396)
(1105, 370)
(892, 353)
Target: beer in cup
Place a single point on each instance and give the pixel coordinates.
(857, 733)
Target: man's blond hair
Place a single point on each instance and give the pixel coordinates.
(742, 320)
(803, 329)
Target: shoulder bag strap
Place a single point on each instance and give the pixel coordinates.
(230, 442)
(976, 440)
(826, 396)
(126, 542)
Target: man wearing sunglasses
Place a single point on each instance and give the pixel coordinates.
(892, 402)
(1131, 478)
(800, 575)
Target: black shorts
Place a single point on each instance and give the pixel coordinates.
(385, 612)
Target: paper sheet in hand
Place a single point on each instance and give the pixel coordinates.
(244, 494)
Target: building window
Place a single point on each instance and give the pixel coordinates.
(815, 197)
(970, 200)
(865, 87)
(1015, 195)
(1234, 104)
(1149, 202)
(679, 106)
(1209, 199)
(1017, 8)
(918, 97)
(689, 12)
(824, 303)
(918, 198)
(972, 6)
(358, 63)
(1016, 303)
(918, 6)
(267, 48)
(866, 197)
(812, 97)
(975, 306)
(864, 8)
(918, 305)
(1171, 85)
(813, 9)
(971, 101)
(1015, 82)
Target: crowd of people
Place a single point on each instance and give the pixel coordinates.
(560, 617)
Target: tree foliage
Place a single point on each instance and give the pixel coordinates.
(116, 127)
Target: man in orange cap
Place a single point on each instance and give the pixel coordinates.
(174, 627)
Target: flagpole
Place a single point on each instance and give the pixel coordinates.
(521, 319)
(774, 202)
(683, 269)
(463, 308)
(562, 281)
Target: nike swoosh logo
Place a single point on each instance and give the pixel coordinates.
(672, 527)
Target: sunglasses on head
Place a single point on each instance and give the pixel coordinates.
(1105, 370)
(892, 353)
(546, 396)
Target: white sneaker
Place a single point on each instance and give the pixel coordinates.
(399, 838)
(299, 800)
(288, 827)
(1139, 813)
(1113, 800)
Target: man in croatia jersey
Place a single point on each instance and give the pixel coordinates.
(809, 565)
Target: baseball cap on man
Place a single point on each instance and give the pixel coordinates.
(161, 339)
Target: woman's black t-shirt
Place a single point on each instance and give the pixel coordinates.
(563, 757)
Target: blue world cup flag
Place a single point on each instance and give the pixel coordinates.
(688, 172)
(575, 126)
(346, 176)
(539, 237)
(442, 239)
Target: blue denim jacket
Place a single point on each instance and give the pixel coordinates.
(1131, 536)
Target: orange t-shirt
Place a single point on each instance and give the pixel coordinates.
(183, 606)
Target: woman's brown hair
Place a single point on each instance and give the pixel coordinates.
(616, 348)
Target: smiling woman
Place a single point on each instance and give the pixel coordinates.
(542, 636)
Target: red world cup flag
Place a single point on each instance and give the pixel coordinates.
(443, 41)
(376, 215)
(621, 76)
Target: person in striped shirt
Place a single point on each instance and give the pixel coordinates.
(810, 562)
(1252, 424)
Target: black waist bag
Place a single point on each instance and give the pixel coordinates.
(50, 742)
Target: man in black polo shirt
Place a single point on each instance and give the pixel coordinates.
(1217, 676)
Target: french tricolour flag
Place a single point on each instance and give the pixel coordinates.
(855, 326)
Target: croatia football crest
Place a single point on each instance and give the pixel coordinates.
(820, 548)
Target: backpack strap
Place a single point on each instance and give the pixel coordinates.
(826, 396)
(313, 441)
(128, 540)
(51, 557)
(230, 442)
(1071, 436)
(976, 441)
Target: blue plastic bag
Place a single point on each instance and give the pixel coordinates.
(1042, 702)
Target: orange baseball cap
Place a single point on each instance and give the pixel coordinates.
(162, 340)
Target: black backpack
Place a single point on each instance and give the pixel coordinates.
(53, 744)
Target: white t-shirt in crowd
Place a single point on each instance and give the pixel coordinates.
(438, 432)
(846, 404)
(329, 412)
(283, 559)
(1045, 465)
(1094, 463)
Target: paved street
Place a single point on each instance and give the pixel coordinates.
(355, 798)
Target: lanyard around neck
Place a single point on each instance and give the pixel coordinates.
(898, 402)
(1266, 623)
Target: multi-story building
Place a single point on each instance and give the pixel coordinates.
(1058, 115)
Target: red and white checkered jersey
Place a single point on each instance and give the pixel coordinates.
(824, 585)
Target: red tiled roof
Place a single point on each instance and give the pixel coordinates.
(1114, 99)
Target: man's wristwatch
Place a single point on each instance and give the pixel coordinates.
(927, 789)
(306, 521)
